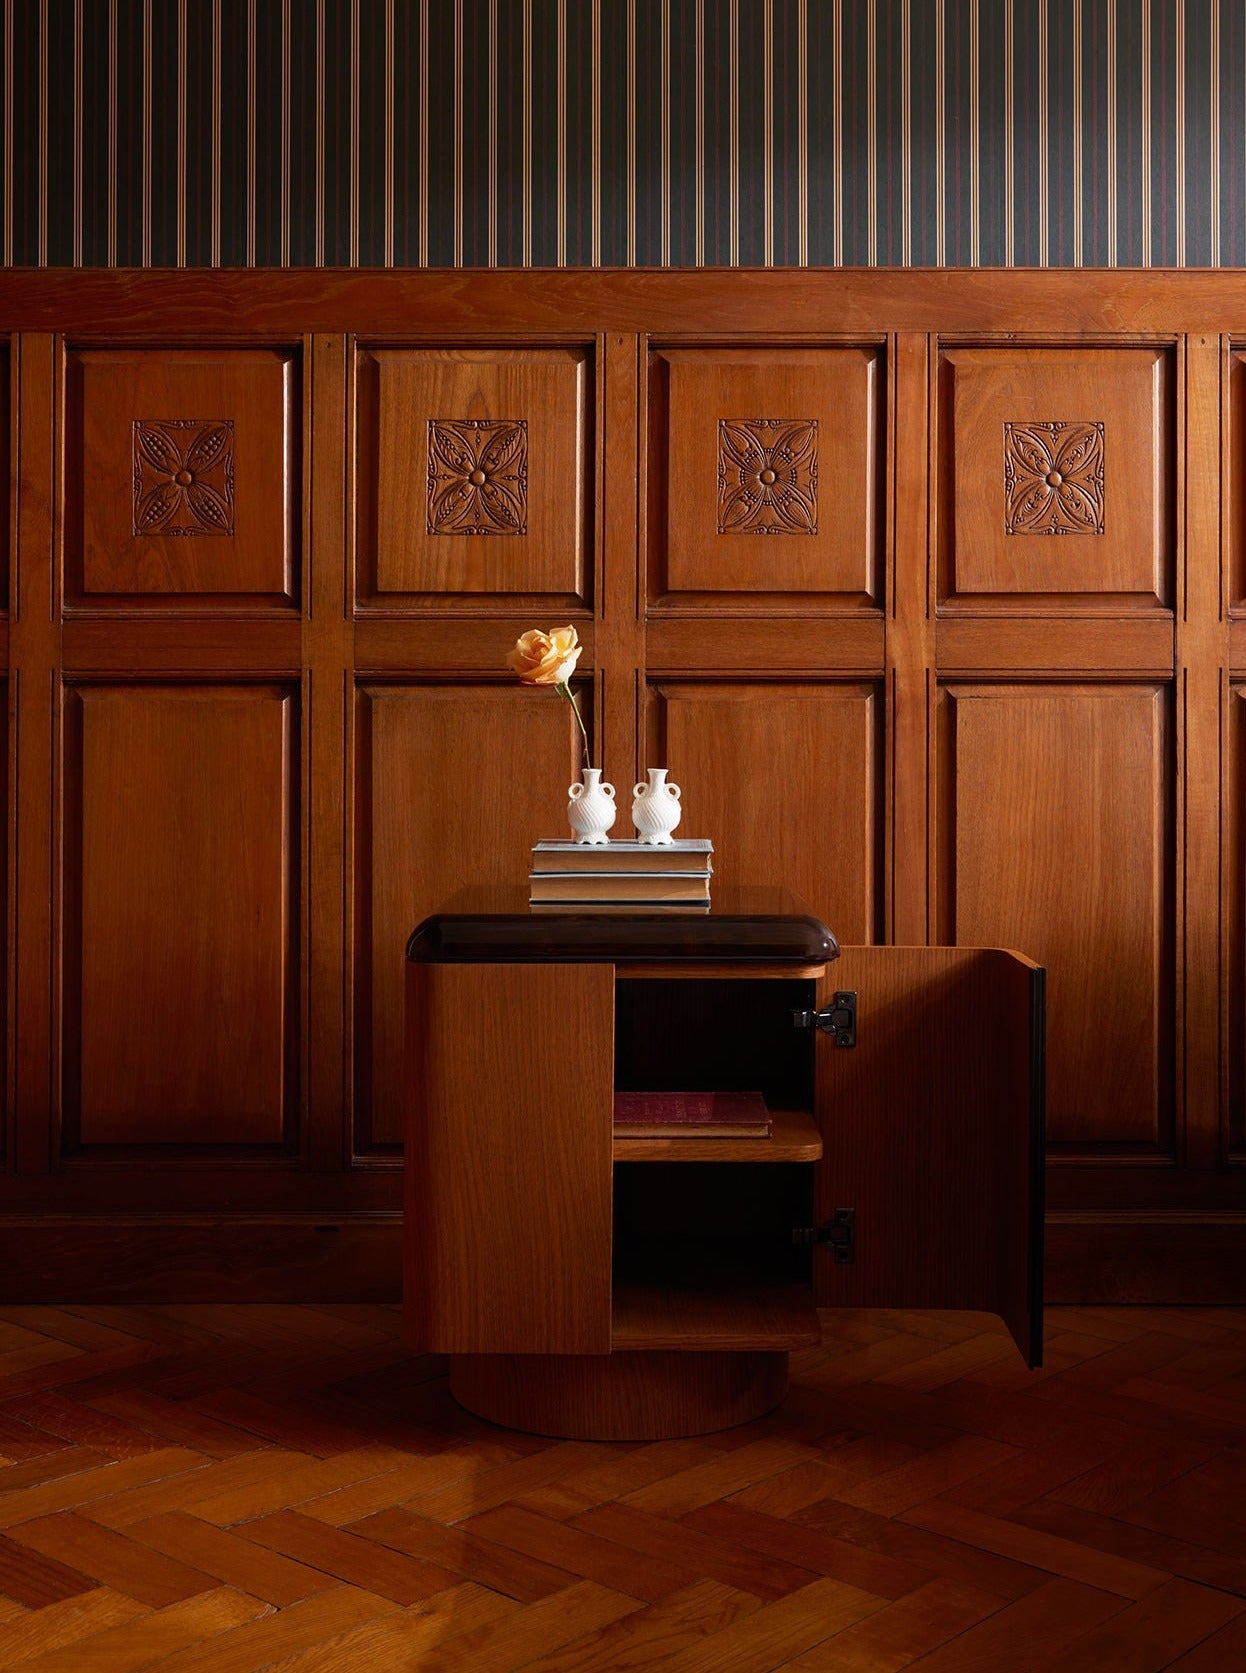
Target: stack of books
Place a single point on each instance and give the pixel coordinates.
(621, 876)
(690, 1115)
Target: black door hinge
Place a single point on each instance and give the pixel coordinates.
(840, 1231)
(838, 1019)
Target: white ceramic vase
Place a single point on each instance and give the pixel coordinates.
(590, 807)
(655, 807)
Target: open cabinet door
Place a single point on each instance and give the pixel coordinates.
(933, 1134)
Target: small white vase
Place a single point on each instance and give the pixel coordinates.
(655, 808)
(590, 807)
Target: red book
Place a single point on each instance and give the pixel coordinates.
(690, 1115)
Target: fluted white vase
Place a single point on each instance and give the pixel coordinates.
(590, 807)
(655, 807)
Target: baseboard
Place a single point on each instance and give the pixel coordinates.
(1165, 1259)
(220, 1257)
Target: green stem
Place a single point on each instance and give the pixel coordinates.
(565, 690)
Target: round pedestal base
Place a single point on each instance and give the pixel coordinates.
(643, 1396)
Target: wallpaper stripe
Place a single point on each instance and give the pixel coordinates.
(623, 132)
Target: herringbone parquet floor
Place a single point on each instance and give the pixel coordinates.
(235, 1488)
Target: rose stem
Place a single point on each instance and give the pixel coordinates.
(565, 690)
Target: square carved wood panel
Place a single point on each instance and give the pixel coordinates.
(1056, 474)
(181, 481)
(475, 476)
(764, 474)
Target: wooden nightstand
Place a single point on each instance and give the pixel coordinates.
(637, 1288)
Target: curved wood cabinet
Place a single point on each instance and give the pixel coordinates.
(929, 588)
(625, 1291)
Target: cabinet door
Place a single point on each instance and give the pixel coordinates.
(510, 1072)
(933, 1134)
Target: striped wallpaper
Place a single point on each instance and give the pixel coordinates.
(623, 132)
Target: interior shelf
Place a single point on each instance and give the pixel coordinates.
(793, 1138)
(755, 1316)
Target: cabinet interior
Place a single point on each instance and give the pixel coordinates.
(688, 1236)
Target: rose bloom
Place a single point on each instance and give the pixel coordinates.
(546, 658)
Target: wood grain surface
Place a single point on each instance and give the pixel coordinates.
(202, 1488)
(933, 729)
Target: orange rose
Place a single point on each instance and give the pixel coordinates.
(546, 658)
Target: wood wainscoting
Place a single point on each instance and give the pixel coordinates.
(929, 588)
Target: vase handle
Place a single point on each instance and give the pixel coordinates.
(639, 789)
(575, 791)
(608, 789)
(674, 790)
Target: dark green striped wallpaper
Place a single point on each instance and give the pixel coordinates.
(623, 132)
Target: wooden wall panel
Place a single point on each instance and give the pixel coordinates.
(784, 780)
(1234, 474)
(927, 726)
(1057, 473)
(1055, 838)
(181, 473)
(181, 888)
(766, 473)
(455, 784)
(475, 475)
(1233, 1134)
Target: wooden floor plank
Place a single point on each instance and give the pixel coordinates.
(520, 1638)
(85, 1486)
(403, 1639)
(838, 1559)
(301, 1478)
(1002, 1576)
(1027, 1545)
(644, 1638)
(474, 1493)
(64, 1623)
(1149, 1636)
(933, 1472)
(1222, 1650)
(34, 1580)
(771, 1636)
(702, 1484)
(749, 1571)
(161, 1633)
(258, 1644)
(465, 1553)
(1204, 1563)
(177, 1425)
(231, 1558)
(839, 1471)
(902, 1632)
(619, 1567)
(112, 1560)
(1029, 1636)
(351, 1557)
(49, 1466)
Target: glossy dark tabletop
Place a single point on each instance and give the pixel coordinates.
(742, 926)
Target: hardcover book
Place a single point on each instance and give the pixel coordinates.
(628, 854)
(655, 887)
(690, 1115)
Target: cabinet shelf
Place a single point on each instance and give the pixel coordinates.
(793, 1137)
(757, 1316)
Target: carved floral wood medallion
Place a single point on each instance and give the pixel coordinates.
(767, 476)
(477, 476)
(183, 476)
(1053, 478)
